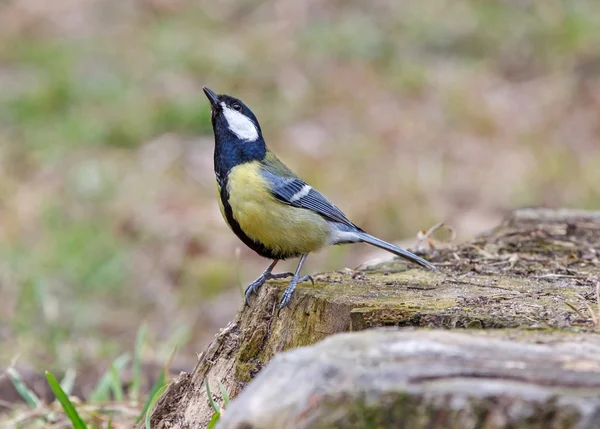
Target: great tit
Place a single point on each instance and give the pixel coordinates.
(269, 208)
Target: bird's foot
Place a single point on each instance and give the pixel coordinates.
(287, 293)
(253, 287)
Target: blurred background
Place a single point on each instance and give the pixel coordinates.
(404, 114)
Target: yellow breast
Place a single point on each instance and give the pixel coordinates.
(287, 231)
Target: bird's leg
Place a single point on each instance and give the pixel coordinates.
(287, 294)
(266, 275)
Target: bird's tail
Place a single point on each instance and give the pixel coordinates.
(367, 238)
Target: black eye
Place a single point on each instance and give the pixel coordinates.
(237, 106)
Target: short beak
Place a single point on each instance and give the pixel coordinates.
(212, 97)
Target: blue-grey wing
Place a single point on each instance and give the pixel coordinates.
(295, 192)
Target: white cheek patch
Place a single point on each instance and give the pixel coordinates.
(240, 125)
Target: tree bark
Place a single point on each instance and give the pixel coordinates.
(519, 276)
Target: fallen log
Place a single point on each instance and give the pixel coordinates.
(433, 380)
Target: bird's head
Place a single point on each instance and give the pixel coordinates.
(232, 119)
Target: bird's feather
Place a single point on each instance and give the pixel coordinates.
(271, 227)
(295, 192)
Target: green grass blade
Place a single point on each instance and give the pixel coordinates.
(136, 380)
(104, 386)
(152, 403)
(65, 402)
(214, 420)
(158, 384)
(117, 385)
(224, 394)
(27, 394)
(214, 406)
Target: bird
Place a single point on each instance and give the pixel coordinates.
(270, 209)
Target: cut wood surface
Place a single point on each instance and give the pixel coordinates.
(538, 270)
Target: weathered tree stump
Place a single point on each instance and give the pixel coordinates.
(518, 277)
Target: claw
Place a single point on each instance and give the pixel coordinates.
(280, 275)
(253, 288)
(256, 284)
(305, 278)
(285, 300)
(287, 293)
